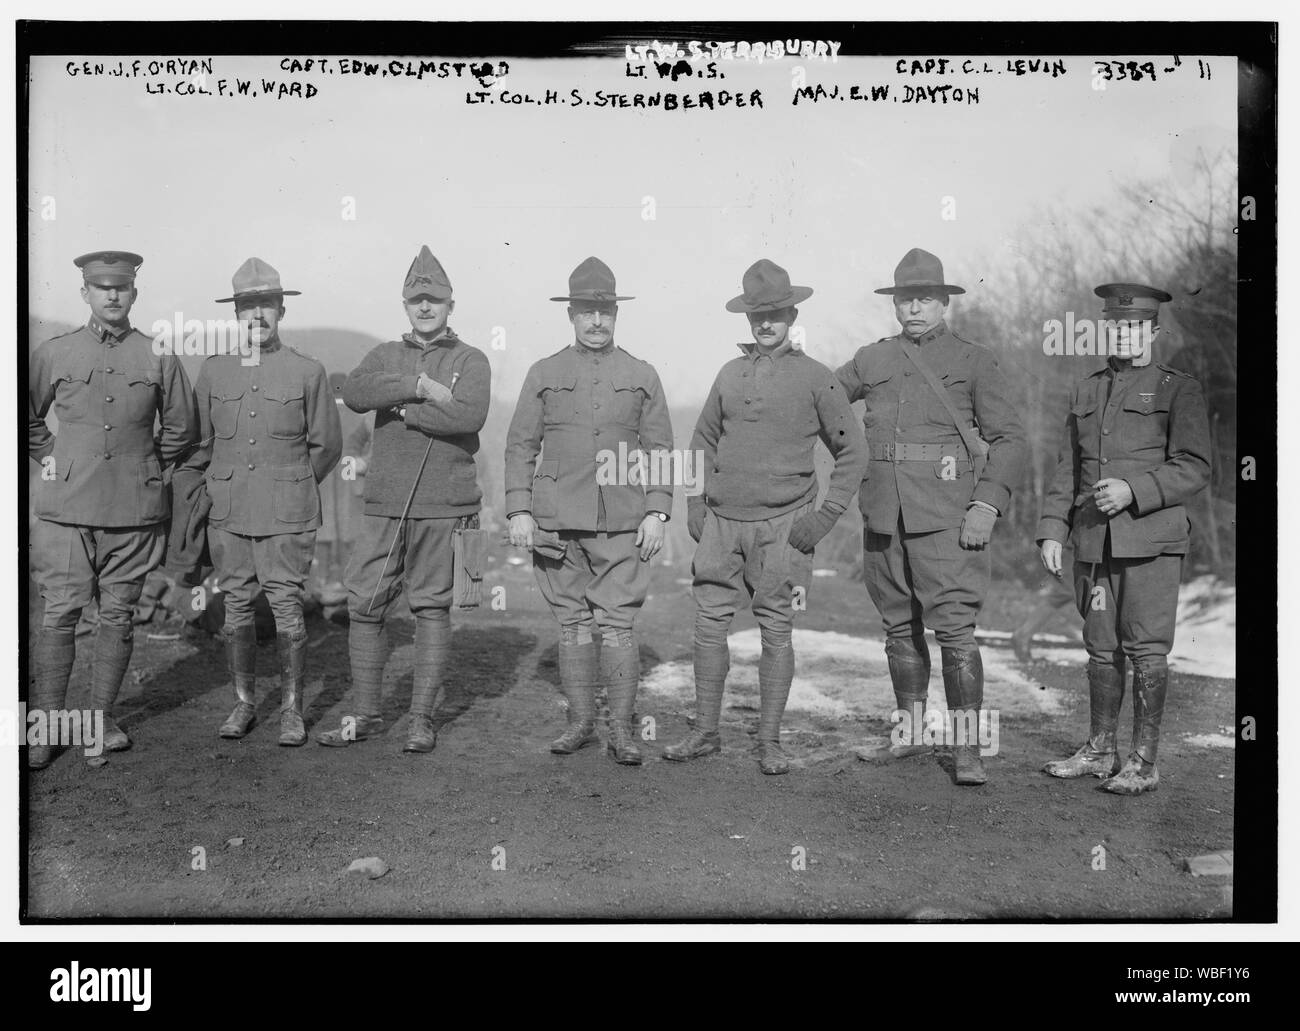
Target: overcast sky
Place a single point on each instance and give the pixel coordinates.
(510, 198)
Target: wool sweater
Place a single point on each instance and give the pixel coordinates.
(758, 430)
(385, 383)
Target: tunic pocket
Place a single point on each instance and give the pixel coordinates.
(72, 389)
(546, 490)
(219, 491)
(285, 413)
(295, 495)
(628, 399)
(1145, 423)
(224, 410)
(559, 400)
(142, 386)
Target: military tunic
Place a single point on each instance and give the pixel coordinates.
(101, 502)
(920, 480)
(584, 410)
(270, 434)
(1148, 427)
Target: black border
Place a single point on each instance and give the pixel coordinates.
(1253, 43)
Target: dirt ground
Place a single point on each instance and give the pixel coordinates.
(492, 826)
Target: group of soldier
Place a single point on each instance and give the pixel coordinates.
(934, 466)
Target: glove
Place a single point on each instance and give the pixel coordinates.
(811, 528)
(696, 511)
(977, 527)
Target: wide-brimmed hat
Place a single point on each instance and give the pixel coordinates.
(920, 270)
(255, 278)
(108, 268)
(1131, 300)
(767, 288)
(592, 281)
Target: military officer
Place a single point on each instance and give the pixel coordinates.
(1136, 449)
(101, 505)
(270, 435)
(757, 521)
(592, 539)
(928, 511)
(429, 392)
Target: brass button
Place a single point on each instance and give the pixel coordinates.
(595, 404)
(251, 440)
(109, 369)
(108, 400)
(252, 415)
(254, 388)
(1104, 461)
(1105, 433)
(107, 426)
(251, 466)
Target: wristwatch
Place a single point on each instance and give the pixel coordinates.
(659, 515)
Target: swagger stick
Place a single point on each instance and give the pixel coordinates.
(405, 509)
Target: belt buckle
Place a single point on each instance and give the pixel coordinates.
(889, 452)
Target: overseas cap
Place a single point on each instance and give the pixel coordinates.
(426, 278)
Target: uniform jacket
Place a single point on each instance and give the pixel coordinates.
(107, 389)
(758, 431)
(575, 405)
(270, 434)
(384, 383)
(902, 408)
(1147, 426)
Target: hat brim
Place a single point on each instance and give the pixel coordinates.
(798, 294)
(939, 288)
(110, 279)
(259, 293)
(601, 300)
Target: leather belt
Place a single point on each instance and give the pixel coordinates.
(901, 451)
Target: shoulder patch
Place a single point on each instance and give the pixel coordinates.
(1176, 372)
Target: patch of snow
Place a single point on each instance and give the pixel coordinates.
(839, 676)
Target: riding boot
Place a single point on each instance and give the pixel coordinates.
(621, 663)
(113, 647)
(241, 661)
(579, 663)
(293, 682)
(909, 669)
(963, 684)
(55, 655)
(1138, 774)
(1098, 756)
